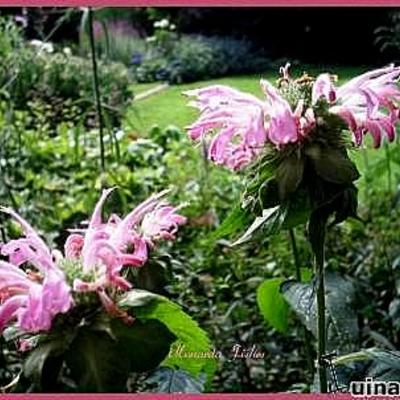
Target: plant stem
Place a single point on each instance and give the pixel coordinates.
(307, 335)
(317, 230)
(97, 91)
(319, 263)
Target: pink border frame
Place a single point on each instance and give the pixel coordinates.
(189, 3)
(202, 3)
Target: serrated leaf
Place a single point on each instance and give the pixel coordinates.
(189, 335)
(170, 380)
(341, 319)
(272, 304)
(271, 216)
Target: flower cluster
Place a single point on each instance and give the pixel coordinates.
(34, 283)
(242, 125)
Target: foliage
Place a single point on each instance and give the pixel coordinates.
(197, 57)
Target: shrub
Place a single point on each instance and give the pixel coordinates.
(196, 57)
(31, 75)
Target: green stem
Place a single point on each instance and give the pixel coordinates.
(307, 335)
(317, 230)
(97, 91)
(388, 167)
(321, 307)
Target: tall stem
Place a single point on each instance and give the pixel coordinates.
(97, 91)
(307, 335)
(317, 228)
(319, 261)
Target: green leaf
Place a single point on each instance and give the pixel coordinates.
(145, 343)
(341, 319)
(190, 337)
(332, 165)
(379, 364)
(41, 364)
(271, 220)
(289, 174)
(96, 362)
(298, 209)
(235, 221)
(171, 380)
(272, 304)
(137, 298)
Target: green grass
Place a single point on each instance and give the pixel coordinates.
(170, 106)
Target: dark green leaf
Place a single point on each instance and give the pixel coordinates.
(145, 343)
(272, 304)
(190, 337)
(271, 221)
(40, 365)
(289, 174)
(171, 380)
(332, 165)
(341, 319)
(235, 221)
(97, 363)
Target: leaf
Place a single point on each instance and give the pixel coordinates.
(272, 217)
(332, 165)
(394, 312)
(272, 304)
(289, 174)
(375, 363)
(145, 343)
(137, 298)
(190, 337)
(96, 363)
(236, 220)
(170, 380)
(342, 326)
(298, 209)
(40, 364)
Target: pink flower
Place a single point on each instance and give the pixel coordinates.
(31, 298)
(104, 248)
(285, 126)
(241, 124)
(323, 87)
(237, 121)
(367, 103)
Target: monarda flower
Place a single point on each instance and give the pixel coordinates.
(241, 126)
(367, 103)
(32, 298)
(37, 284)
(105, 248)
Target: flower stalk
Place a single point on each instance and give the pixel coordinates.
(307, 335)
(317, 229)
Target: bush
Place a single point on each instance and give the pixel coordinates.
(37, 75)
(199, 57)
